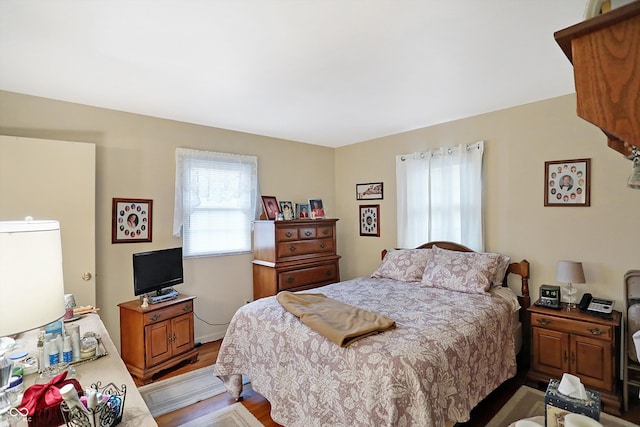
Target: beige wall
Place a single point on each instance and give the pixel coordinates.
(135, 158)
(518, 141)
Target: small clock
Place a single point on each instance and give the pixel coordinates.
(549, 296)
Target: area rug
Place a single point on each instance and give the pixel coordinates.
(235, 415)
(528, 402)
(183, 390)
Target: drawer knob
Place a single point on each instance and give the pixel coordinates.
(290, 279)
(154, 317)
(325, 232)
(288, 234)
(322, 245)
(186, 307)
(292, 249)
(543, 321)
(307, 233)
(595, 331)
(327, 273)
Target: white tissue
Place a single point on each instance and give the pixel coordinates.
(571, 386)
(579, 420)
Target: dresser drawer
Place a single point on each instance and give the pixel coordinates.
(307, 276)
(588, 329)
(305, 247)
(287, 234)
(168, 313)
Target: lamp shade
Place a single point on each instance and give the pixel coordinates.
(31, 278)
(570, 272)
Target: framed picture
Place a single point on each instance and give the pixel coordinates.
(270, 206)
(567, 182)
(287, 210)
(302, 211)
(370, 191)
(317, 209)
(131, 220)
(370, 220)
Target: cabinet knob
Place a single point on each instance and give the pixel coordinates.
(292, 248)
(307, 233)
(154, 317)
(288, 234)
(543, 321)
(595, 331)
(565, 356)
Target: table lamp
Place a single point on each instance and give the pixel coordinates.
(570, 272)
(31, 281)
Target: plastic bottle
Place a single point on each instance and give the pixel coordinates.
(60, 346)
(67, 351)
(54, 353)
(41, 362)
(75, 345)
(70, 396)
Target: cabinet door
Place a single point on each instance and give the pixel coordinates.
(182, 328)
(157, 347)
(592, 361)
(550, 352)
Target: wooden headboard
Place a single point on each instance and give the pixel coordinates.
(520, 268)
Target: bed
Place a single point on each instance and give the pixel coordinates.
(453, 343)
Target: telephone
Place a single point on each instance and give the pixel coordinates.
(595, 305)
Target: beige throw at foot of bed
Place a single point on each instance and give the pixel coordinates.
(341, 323)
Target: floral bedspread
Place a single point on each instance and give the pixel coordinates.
(449, 350)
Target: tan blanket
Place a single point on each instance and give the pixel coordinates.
(341, 323)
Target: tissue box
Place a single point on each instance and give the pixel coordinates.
(557, 405)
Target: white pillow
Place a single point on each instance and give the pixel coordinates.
(406, 265)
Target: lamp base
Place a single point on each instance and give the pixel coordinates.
(570, 291)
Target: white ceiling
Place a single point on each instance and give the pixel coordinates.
(326, 72)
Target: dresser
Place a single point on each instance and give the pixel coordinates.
(580, 344)
(294, 255)
(156, 337)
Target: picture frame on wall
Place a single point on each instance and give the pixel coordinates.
(369, 220)
(567, 182)
(270, 206)
(316, 208)
(131, 220)
(369, 191)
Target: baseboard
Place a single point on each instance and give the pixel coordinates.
(210, 337)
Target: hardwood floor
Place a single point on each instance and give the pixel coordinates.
(261, 408)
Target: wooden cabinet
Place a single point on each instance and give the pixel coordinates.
(156, 337)
(577, 343)
(294, 255)
(605, 52)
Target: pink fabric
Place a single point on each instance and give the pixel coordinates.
(448, 352)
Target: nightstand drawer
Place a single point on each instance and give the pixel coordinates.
(571, 326)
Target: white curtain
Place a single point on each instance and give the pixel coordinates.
(440, 196)
(215, 201)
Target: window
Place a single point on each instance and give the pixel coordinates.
(215, 202)
(440, 196)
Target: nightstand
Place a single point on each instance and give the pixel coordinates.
(580, 344)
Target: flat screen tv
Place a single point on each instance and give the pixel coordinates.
(156, 270)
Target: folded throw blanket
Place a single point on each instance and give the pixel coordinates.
(341, 323)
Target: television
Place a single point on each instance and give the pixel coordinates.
(155, 270)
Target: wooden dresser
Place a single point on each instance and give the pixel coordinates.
(294, 255)
(577, 343)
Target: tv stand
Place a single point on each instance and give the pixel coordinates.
(157, 337)
(166, 294)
